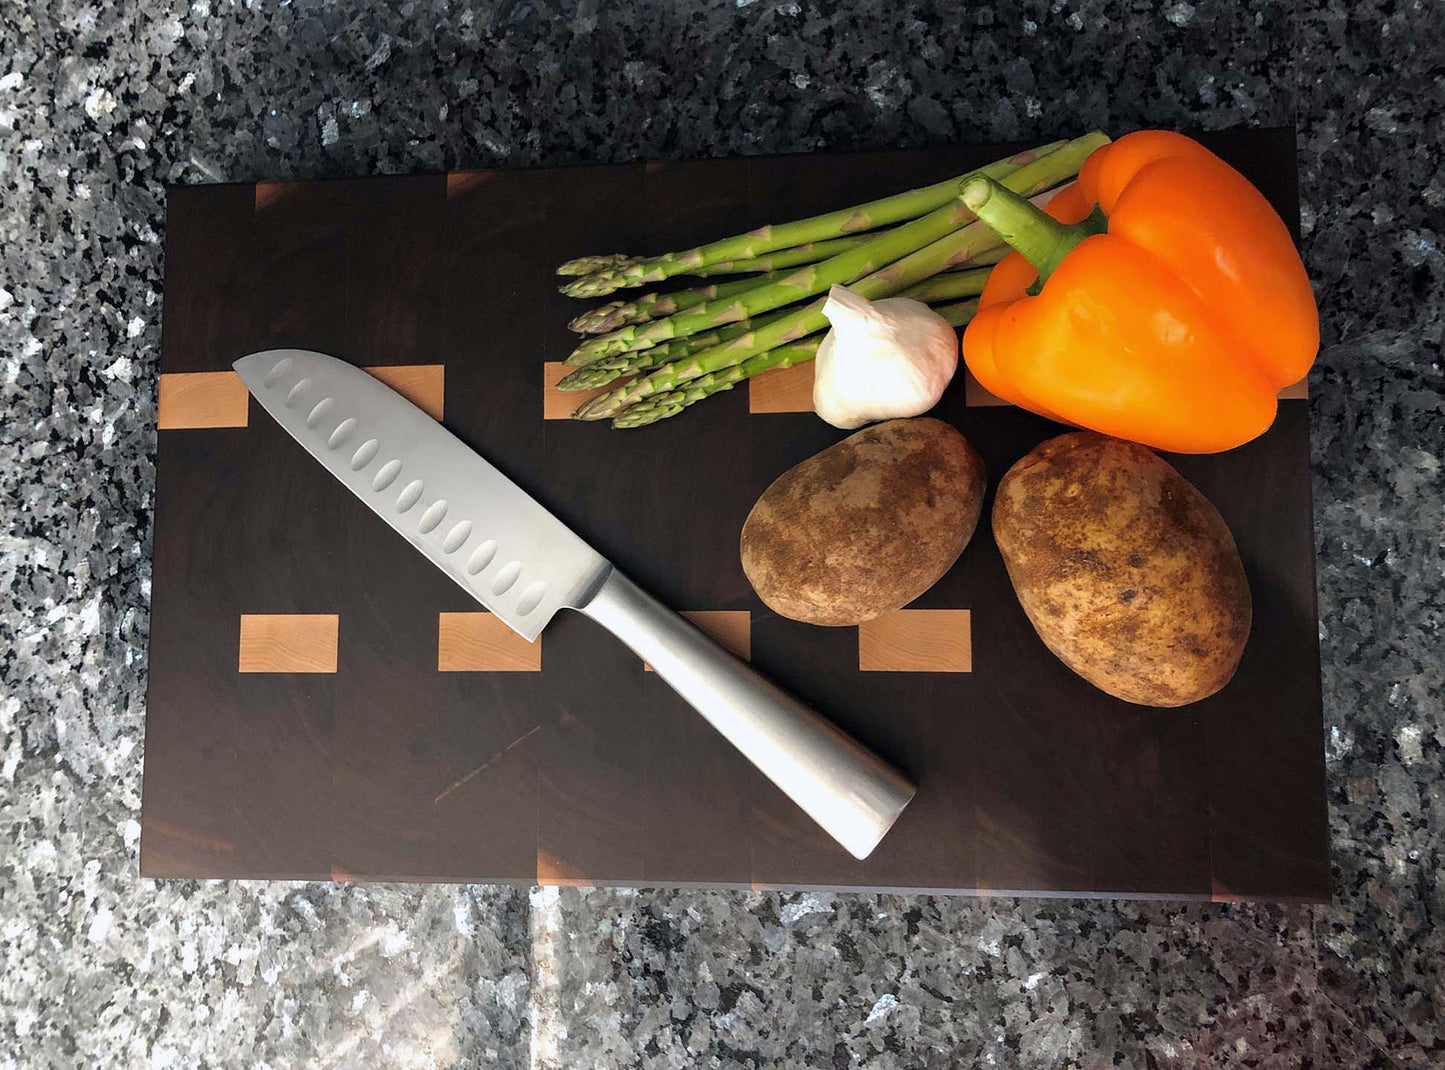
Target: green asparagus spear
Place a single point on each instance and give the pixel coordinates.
(988, 258)
(602, 372)
(810, 253)
(904, 241)
(870, 216)
(616, 314)
(947, 286)
(661, 406)
(958, 313)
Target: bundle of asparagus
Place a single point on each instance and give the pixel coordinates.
(672, 349)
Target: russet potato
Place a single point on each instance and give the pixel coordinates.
(866, 526)
(1125, 569)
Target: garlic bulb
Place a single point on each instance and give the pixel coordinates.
(881, 360)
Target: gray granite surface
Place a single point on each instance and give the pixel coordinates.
(102, 104)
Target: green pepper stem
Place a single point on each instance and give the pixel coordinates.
(1040, 238)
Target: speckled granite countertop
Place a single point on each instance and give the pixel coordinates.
(102, 104)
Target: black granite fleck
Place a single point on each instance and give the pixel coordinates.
(103, 104)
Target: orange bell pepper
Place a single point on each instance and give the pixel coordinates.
(1173, 308)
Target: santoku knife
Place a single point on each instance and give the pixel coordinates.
(523, 564)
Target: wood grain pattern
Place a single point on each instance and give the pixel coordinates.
(782, 390)
(917, 640)
(481, 642)
(732, 628)
(561, 404)
(201, 399)
(288, 642)
(424, 385)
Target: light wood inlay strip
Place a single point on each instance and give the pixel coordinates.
(480, 642)
(190, 400)
(782, 390)
(201, 399)
(288, 642)
(732, 628)
(917, 640)
(424, 385)
(561, 404)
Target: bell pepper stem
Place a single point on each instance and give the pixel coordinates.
(1040, 238)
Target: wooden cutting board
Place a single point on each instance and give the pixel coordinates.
(325, 704)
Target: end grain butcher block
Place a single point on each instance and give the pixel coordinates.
(325, 704)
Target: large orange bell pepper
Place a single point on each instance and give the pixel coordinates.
(1173, 307)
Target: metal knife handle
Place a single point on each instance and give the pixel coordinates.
(852, 793)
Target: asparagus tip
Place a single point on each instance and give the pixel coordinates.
(598, 408)
(589, 265)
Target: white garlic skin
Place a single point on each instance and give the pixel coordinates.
(881, 360)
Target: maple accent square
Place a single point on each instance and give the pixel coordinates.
(482, 642)
(424, 385)
(201, 399)
(917, 640)
(782, 390)
(288, 642)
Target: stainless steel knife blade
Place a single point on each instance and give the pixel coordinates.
(524, 564)
(470, 520)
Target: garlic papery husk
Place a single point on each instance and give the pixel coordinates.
(882, 359)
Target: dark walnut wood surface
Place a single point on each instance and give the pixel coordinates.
(591, 770)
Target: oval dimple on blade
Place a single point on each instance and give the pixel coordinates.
(344, 430)
(386, 475)
(410, 495)
(481, 557)
(506, 577)
(364, 453)
(293, 397)
(531, 597)
(435, 513)
(278, 372)
(459, 534)
(319, 412)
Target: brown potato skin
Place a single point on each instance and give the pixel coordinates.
(1127, 572)
(866, 526)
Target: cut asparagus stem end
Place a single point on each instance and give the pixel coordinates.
(1040, 238)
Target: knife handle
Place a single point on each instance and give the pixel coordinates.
(851, 792)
